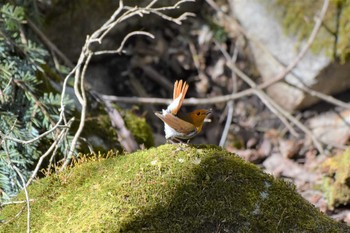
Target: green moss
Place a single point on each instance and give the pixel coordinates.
(336, 183)
(139, 128)
(172, 188)
(102, 136)
(98, 131)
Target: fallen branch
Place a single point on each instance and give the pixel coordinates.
(187, 102)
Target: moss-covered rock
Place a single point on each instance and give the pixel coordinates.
(297, 19)
(336, 182)
(139, 128)
(172, 188)
(102, 136)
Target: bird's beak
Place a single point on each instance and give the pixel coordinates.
(209, 111)
(207, 114)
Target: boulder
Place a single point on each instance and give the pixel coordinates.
(273, 49)
(172, 188)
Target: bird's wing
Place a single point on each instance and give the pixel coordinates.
(176, 123)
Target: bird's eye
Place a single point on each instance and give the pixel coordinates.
(198, 113)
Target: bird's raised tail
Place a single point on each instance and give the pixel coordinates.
(180, 90)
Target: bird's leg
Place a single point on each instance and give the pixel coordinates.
(172, 141)
(169, 141)
(175, 141)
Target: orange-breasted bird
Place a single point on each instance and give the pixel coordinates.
(179, 125)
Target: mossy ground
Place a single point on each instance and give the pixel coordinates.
(172, 188)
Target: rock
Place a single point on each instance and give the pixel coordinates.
(172, 188)
(331, 128)
(289, 148)
(269, 44)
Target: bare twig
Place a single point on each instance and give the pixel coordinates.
(26, 194)
(51, 148)
(228, 122)
(80, 94)
(120, 49)
(177, 20)
(15, 202)
(229, 105)
(23, 186)
(16, 216)
(324, 97)
(57, 125)
(187, 102)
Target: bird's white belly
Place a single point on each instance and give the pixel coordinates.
(171, 133)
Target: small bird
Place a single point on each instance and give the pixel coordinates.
(178, 125)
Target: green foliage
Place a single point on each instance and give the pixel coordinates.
(12, 16)
(26, 110)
